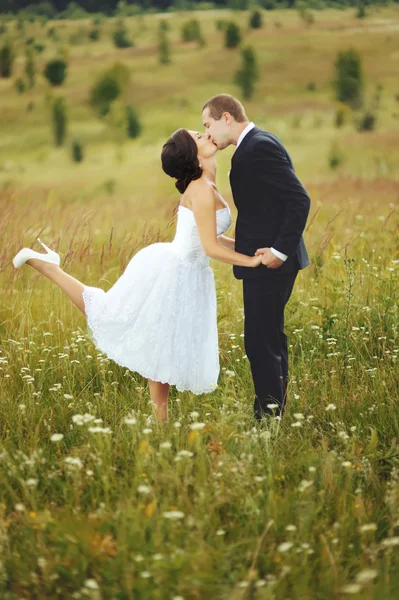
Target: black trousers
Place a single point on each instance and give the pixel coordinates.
(265, 341)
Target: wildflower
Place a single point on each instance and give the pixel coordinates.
(144, 489)
(91, 584)
(366, 575)
(351, 588)
(368, 527)
(389, 542)
(165, 445)
(31, 482)
(130, 420)
(99, 430)
(304, 485)
(331, 407)
(285, 546)
(57, 437)
(299, 416)
(173, 514)
(197, 426)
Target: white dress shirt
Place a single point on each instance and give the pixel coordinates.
(242, 135)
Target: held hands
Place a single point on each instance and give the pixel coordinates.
(268, 258)
(256, 260)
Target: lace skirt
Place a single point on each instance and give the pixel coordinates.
(159, 319)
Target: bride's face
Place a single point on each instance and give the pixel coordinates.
(206, 148)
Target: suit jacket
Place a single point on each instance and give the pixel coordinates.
(272, 204)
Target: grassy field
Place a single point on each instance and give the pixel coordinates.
(95, 502)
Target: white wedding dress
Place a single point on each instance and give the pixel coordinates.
(159, 318)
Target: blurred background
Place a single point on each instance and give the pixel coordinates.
(90, 90)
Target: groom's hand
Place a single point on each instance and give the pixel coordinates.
(269, 259)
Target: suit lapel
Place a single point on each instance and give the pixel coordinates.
(241, 147)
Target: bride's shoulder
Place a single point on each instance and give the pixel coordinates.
(199, 187)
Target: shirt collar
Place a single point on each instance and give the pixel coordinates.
(248, 128)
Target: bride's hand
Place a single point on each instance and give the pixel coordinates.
(256, 260)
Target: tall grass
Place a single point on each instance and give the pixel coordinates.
(97, 501)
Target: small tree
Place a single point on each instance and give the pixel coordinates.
(191, 32)
(248, 74)
(55, 71)
(59, 111)
(6, 59)
(121, 37)
(30, 68)
(232, 35)
(349, 81)
(20, 85)
(133, 126)
(367, 122)
(255, 20)
(164, 51)
(361, 10)
(77, 151)
(94, 34)
(108, 87)
(304, 12)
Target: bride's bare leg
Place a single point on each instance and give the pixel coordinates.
(159, 395)
(68, 284)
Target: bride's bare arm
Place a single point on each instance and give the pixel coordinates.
(227, 242)
(204, 209)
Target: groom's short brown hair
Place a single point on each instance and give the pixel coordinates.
(222, 103)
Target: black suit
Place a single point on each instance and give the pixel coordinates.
(273, 207)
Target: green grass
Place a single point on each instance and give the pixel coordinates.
(301, 510)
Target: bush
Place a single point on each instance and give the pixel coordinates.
(73, 11)
(342, 115)
(20, 85)
(59, 114)
(248, 74)
(30, 68)
(269, 4)
(39, 47)
(163, 25)
(133, 127)
(52, 33)
(255, 20)
(232, 35)
(367, 122)
(304, 12)
(55, 71)
(164, 51)
(77, 151)
(361, 11)
(121, 39)
(349, 82)
(311, 86)
(108, 87)
(94, 34)
(335, 157)
(191, 32)
(6, 59)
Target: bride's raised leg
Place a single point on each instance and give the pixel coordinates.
(159, 396)
(68, 284)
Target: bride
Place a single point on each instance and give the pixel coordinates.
(159, 318)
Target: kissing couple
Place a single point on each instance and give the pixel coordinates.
(159, 318)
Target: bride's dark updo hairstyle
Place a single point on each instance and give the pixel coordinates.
(180, 159)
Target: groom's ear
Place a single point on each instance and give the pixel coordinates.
(228, 118)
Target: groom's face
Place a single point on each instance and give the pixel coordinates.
(218, 131)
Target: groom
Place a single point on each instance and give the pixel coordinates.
(273, 207)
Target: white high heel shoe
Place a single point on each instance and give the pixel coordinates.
(26, 253)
